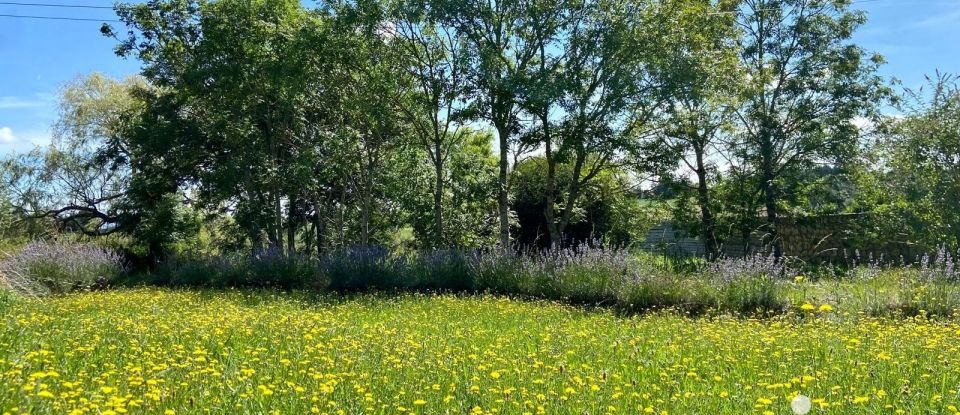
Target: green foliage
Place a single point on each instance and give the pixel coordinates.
(269, 126)
(608, 210)
(805, 82)
(752, 294)
(469, 199)
(7, 299)
(911, 184)
(239, 271)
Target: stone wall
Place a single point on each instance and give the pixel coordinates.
(828, 238)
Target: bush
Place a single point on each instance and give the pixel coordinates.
(587, 275)
(269, 269)
(442, 270)
(749, 284)
(57, 267)
(364, 267)
(651, 290)
(219, 271)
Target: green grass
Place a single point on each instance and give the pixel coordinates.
(153, 351)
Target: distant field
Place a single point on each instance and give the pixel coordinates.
(169, 352)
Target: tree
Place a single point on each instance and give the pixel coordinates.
(599, 86)
(91, 180)
(69, 181)
(502, 38)
(469, 202)
(611, 211)
(436, 59)
(373, 87)
(912, 187)
(805, 84)
(703, 77)
(248, 78)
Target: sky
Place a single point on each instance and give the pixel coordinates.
(917, 37)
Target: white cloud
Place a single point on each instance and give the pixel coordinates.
(6, 135)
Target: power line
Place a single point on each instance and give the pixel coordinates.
(775, 9)
(71, 6)
(82, 6)
(75, 19)
(58, 5)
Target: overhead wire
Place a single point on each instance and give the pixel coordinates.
(97, 7)
(69, 6)
(56, 5)
(76, 19)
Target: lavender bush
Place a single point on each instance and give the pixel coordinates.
(752, 285)
(445, 269)
(365, 267)
(587, 274)
(59, 267)
(942, 267)
(749, 284)
(12, 282)
(269, 268)
(502, 272)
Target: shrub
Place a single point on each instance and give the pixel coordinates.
(12, 282)
(219, 271)
(274, 269)
(749, 284)
(587, 275)
(648, 289)
(364, 267)
(60, 267)
(268, 269)
(442, 270)
(928, 287)
(502, 272)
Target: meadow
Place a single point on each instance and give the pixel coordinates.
(171, 352)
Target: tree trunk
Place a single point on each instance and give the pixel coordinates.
(309, 230)
(365, 215)
(438, 199)
(291, 226)
(277, 224)
(573, 191)
(503, 198)
(318, 226)
(707, 222)
(551, 193)
(256, 240)
(770, 192)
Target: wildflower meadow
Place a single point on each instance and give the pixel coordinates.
(226, 352)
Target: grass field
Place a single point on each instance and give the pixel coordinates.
(169, 352)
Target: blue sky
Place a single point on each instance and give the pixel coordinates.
(38, 56)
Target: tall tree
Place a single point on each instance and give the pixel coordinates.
(69, 181)
(911, 187)
(806, 82)
(703, 78)
(436, 59)
(502, 42)
(242, 73)
(374, 85)
(597, 87)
